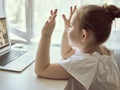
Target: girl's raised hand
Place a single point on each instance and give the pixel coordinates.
(67, 21)
(50, 24)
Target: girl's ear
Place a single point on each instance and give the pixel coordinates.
(84, 34)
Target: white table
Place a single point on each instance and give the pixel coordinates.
(27, 80)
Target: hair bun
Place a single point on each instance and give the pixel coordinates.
(112, 10)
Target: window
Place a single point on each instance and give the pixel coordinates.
(19, 17)
(2, 7)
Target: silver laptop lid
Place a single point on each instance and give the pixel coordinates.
(4, 37)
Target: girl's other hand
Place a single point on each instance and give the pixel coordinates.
(67, 21)
(50, 24)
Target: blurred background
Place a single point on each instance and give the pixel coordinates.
(25, 18)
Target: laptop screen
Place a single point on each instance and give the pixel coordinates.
(4, 41)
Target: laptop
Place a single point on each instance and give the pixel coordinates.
(12, 59)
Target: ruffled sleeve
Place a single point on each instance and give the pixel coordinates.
(82, 67)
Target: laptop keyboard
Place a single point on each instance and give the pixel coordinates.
(10, 56)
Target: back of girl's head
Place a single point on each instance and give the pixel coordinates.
(98, 19)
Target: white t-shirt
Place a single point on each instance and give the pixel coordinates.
(92, 72)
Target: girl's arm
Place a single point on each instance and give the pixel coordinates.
(66, 49)
(43, 68)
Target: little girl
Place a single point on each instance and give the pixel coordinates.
(86, 62)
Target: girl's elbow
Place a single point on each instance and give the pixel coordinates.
(38, 72)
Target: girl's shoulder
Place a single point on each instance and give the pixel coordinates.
(79, 57)
(95, 55)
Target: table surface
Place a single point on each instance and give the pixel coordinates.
(27, 80)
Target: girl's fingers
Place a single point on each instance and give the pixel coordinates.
(53, 15)
(75, 7)
(70, 10)
(52, 18)
(51, 12)
(55, 12)
(64, 17)
(49, 17)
